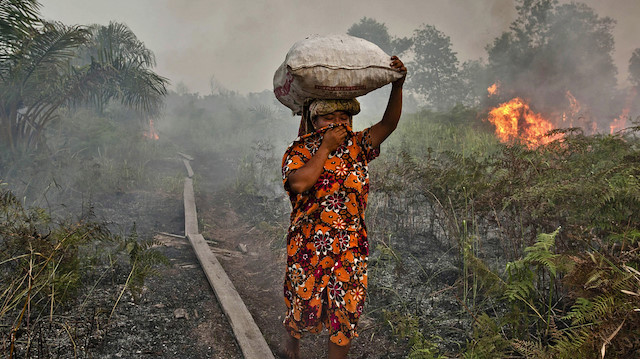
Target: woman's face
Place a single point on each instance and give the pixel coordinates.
(334, 118)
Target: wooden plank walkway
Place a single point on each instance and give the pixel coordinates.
(250, 339)
(187, 164)
(190, 213)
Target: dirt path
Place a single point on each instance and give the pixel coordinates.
(258, 272)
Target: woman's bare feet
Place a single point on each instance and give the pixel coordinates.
(338, 352)
(292, 347)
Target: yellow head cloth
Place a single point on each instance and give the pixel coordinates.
(324, 107)
(320, 107)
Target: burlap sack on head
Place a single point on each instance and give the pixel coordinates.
(331, 67)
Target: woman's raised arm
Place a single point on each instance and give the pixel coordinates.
(381, 130)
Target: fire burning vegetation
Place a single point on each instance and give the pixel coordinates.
(516, 122)
(151, 133)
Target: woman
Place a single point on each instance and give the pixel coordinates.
(325, 174)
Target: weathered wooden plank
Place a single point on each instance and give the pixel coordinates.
(250, 339)
(186, 156)
(187, 164)
(190, 214)
(246, 331)
(172, 235)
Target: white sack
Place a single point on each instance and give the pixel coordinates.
(331, 67)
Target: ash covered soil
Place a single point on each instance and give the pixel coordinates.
(177, 314)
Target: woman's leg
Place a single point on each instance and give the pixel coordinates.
(292, 347)
(337, 351)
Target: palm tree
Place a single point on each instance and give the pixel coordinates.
(16, 20)
(40, 71)
(34, 72)
(117, 49)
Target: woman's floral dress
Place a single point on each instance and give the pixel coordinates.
(327, 246)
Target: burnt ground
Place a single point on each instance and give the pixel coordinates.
(177, 315)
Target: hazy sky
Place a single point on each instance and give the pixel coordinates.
(242, 42)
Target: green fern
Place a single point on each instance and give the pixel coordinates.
(530, 349)
(144, 260)
(424, 349)
(487, 341)
(574, 344)
(540, 253)
(523, 275)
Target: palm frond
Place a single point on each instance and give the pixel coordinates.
(17, 19)
(46, 52)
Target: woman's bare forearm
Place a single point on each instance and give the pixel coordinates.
(305, 177)
(381, 130)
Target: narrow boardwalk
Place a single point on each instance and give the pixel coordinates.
(247, 333)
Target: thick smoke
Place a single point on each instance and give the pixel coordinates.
(241, 43)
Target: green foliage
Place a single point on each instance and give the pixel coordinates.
(530, 284)
(33, 81)
(580, 183)
(565, 293)
(435, 72)
(424, 348)
(17, 17)
(590, 324)
(488, 341)
(407, 327)
(376, 32)
(40, 72)
(589, 311)
(115, 48)
(40, 262)
(144, 260)
(427, 134)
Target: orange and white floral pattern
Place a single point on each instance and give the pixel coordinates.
(327, 246)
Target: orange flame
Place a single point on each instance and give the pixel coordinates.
(574, 108)
(515, 121)
(618, 123)
(493, 89)
(573, 103)
(152, 133)
(621, 122)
